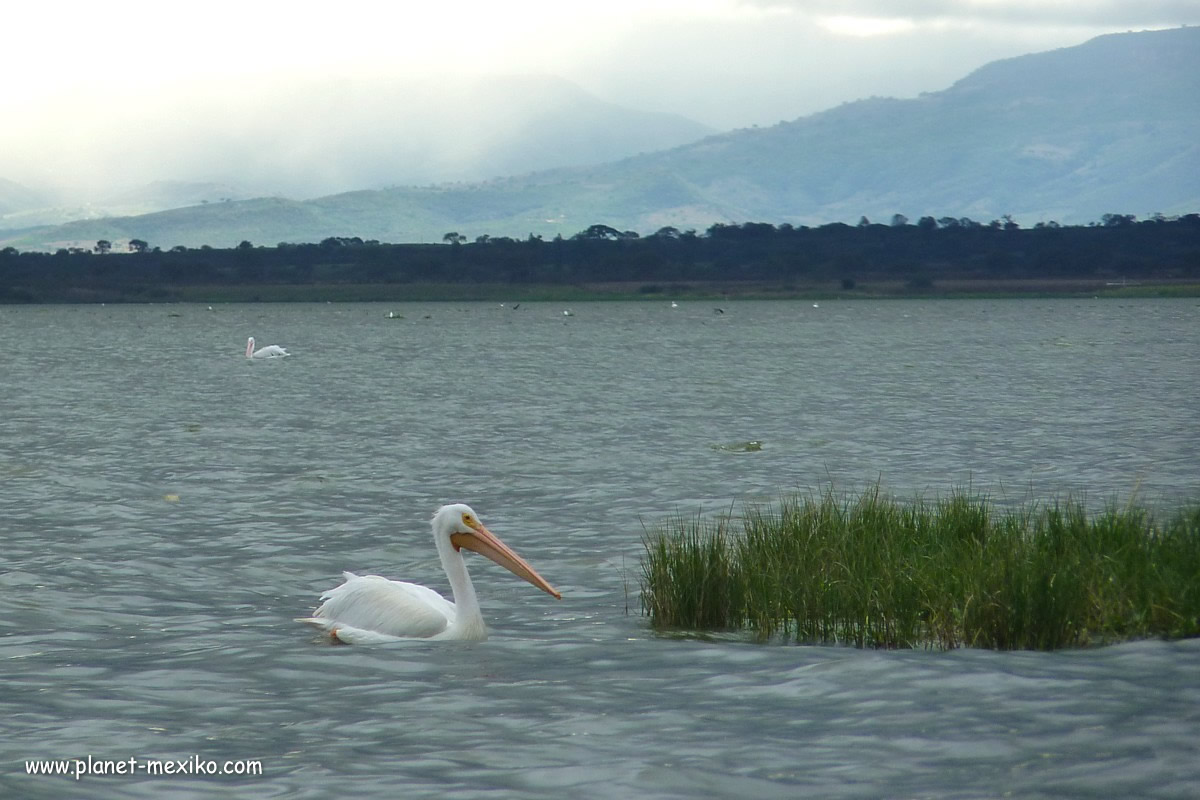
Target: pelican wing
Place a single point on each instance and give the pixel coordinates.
(271, 351)
(370, 604)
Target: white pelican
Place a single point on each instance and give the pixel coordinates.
(369, 608)
(270, 351)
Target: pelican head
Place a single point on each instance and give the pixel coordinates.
(459, 525)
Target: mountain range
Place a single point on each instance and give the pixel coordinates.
(1068, 135)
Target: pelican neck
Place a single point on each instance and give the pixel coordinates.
(467, 614)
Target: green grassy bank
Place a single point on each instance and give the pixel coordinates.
(872, 571)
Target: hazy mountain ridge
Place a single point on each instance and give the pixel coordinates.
(15, 197)
(1069, 135)
(332, 136)
(1066, 135)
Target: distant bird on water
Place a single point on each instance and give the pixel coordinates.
(269, 351)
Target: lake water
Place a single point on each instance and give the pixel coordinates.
(167, 507)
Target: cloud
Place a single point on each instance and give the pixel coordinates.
(780, 60)
(1083, 13)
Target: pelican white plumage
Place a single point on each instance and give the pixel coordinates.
(369, 608)
(268, 351)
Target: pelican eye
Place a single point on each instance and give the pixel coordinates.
(468, 520)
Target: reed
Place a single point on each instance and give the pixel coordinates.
(873, 571)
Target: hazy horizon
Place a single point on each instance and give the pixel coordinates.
(101, 99)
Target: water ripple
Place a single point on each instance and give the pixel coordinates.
(166, 518)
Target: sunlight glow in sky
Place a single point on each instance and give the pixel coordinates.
(66, 45)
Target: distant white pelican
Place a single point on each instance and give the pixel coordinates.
(674, 304)
(270, 351)
(369, 608)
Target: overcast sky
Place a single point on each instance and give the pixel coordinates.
(74, 71)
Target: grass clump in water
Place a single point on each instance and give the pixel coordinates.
(876, 572)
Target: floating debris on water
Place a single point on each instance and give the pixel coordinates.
(752, 446)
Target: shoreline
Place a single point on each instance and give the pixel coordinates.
(866, 289)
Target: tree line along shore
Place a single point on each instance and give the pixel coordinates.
(947, 256)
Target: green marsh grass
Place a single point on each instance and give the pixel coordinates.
(872, 571)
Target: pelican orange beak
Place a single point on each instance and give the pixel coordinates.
(484, 542)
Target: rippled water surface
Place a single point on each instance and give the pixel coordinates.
(167, 508)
